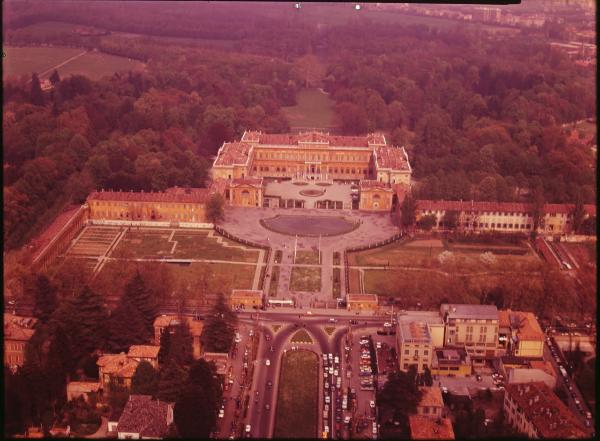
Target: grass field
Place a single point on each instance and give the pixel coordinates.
(94, 65)
(314, 109)
(189, 245)
(274, 281)
(464, 257)
(213, 278)
(301, 337)
(297, 397)
(307, 257)
(306, 279)
(26, 60)
(337, 274)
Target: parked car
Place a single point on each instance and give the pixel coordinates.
(372, 404)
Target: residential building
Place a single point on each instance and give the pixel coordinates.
(76, 389)
(451, 361)
(362, 302)
(17, 332)
(507, 217)
(422, 427)
(163, 322)
(472, 326)
(144, 417)
(431, 404)
(417, 334)
(246, 298)
(535, 411)
(119, 368)
(520, 334)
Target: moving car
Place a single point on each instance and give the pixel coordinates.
(268, 362)
(221, 413)
(372, 404)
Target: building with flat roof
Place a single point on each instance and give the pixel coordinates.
(451, 361)
(535, 411)
(474, 326)
(422, 427)
(525, 370)
(246, 298)
(418, 333)
(362, 302)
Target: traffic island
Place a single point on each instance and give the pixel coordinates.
(297, 398)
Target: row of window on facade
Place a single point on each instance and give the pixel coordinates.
(424, 367)
(14, 360)
(493, 213)
(128, 204)
(152, 215)
(308, 170)
(15, 346)
(491, 225)
(312, 157)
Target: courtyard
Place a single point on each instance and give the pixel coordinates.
(311, 193)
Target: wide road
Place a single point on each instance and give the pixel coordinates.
(272, 347)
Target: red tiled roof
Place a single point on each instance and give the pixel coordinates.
(145, 416)
(550, 417)
(143, 351)
(314, 136)
(39, 243)
(431, 397)
(233, 153)
(177, 195)
(391, 157)
(504, 207)
(423, 427)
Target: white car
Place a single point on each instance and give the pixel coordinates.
(325, 374)
(330, 356)
(374, 428)
(268, 362)
(326, 385)
(378, 345)
(327, 399)
(221, 413)
(336, 360)
(248, 428)
(372, 404)
(335, 372)
(308, 313)
(332, 320)
(387, 325)
(331, 370)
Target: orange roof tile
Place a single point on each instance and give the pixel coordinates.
(143, 351)
(194, 196)
(196, 326)
(254, 182)
(372, 184)
(233, 153)
(18, 328)
(422, 427)
(432, 397)
(38, 244)
(503, 207)
(546, 412)
(393, 158)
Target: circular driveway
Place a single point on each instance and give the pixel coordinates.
(311, 226)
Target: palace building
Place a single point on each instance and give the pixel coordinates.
(311, 157)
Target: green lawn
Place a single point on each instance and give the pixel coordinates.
(26, 60)
(274, 281)
(301, 337)
(190, 245)
(212, 278)
(96, 65)
(306, 279)
(465, 257)
(314, 109)
(337, 274)
(297, 398)
(307, 257)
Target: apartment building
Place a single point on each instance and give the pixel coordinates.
(418, 334)
(520, 334)
(17, 332)
(473, 326)
(536, 412)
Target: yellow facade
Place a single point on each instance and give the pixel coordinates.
(375, 198)
(245, 192)
(362, 302)
(246, 298)
(139, 206)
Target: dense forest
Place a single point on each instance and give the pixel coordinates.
(481, 117)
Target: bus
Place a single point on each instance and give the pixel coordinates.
(280, 302)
